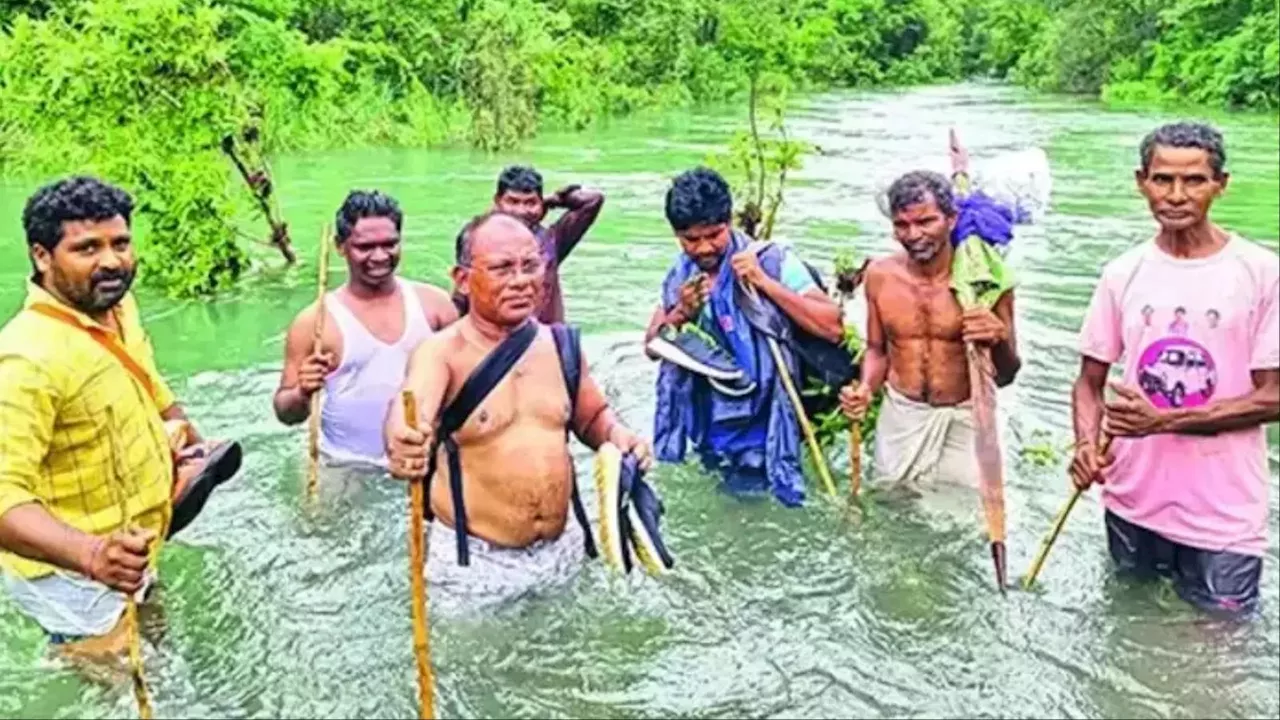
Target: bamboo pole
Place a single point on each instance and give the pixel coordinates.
(317, 344)
(141, 694)
(417, 583)
(855, 458)
(819, 460)
(1058, 523)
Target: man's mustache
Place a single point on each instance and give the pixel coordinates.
(101, 276)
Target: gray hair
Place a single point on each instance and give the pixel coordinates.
(1186, 135)
(919, 186)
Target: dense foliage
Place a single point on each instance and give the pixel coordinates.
(142, 91)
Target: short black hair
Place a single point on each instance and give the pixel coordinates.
(79, 197)
(520, 178)
(918, 186)
(361, 204)
(698, 197)
(1186, 135)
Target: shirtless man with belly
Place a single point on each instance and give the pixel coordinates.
(916, 335)
(517, 477)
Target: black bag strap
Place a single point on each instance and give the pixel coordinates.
(477, 387)
(569, 348)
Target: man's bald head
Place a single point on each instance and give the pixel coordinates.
(500, 269)
(491, 226)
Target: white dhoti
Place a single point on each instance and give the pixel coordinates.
(926, 451)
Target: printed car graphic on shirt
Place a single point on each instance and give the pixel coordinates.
(1177, 372)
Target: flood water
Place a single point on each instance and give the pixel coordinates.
(274, 606)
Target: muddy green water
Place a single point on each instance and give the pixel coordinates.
(274, 608)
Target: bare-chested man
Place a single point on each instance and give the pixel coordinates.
(372, 324)
(516, 475)
(916, 335)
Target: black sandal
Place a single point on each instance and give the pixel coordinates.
(220, 465)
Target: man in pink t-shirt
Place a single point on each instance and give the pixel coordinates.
(1193, 315)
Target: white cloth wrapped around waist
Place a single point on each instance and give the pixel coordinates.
(920, 447)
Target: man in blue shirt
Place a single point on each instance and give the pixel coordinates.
(729, 402)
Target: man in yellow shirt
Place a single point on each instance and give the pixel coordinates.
(87, 468)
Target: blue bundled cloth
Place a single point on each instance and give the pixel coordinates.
(755, 439)
(981, 215)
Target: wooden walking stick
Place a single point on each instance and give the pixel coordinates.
(855, 458)
(417, 583)
(819, 460)
(1061, 520)
(986, 441)
(141, 694)
(313, 420)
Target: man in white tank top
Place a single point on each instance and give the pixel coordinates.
(372, 324)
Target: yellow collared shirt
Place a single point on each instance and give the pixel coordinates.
(77, 430)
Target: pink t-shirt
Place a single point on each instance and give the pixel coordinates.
(1189, 332)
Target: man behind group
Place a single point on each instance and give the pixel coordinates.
(747, 428)
(1194, 315)
(372, 324)
(505, 479)
(519, 194)
(916, 335)
(83, 414)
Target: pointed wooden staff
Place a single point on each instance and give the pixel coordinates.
(317, 344)
(141, 694)
(986, 441)
(1061, 520)
(417, 583)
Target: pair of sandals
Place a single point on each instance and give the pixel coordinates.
(696, 353)
(630, 512)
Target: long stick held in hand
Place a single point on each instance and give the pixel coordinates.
(986, 442)
(1061, 520)
(855, 458)
(313, 420)
(140, 692)
(417, 583)
(819, 460)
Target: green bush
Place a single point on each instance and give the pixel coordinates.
(138, 91)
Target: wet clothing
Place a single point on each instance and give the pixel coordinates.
(497, 575)
(358, 393)
(69, 606)
(1218, 582)
(557, 242)
(80, 423)
(755, 437)
(919, 447)
(1189, 332)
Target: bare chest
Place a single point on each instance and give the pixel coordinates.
(532, 395)
(912, 311)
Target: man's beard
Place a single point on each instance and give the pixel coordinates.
(95, 299)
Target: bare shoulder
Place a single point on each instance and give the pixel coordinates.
(431, 295)
(882, 269)
(437, 304)
(305, 321)
(439, 345)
